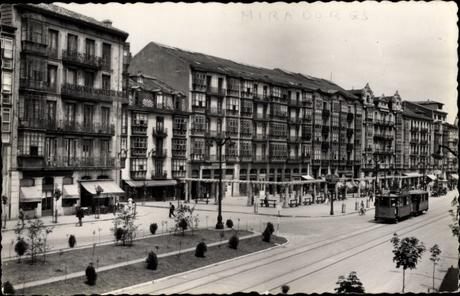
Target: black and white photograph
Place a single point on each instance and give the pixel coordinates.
(218, 148)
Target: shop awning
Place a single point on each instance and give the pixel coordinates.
(413, 174)
(151, 183)
(108, 187)
(71, 192)
(432, 177)
(307, 177)
(454, 176)
(30, 194)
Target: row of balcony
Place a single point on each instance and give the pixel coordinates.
(66, 126)
(384, 123)
(154, 175)
(142, 152)
(63, 162)
(86, 92)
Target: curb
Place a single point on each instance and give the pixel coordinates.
(122, 290)
(271, 215)
(63, 224)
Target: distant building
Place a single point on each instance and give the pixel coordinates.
(66, 94)
(283, 125)
(154, 143)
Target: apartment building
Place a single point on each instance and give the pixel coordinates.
(282, 125)
(67, 92)
(153, 145)
(7, 42)
(381, 140)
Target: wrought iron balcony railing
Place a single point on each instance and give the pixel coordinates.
(89, 93)
(81, 59)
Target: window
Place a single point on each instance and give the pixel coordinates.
(140, 119)
(6, 82)
(198, 99)
(232, 126)
(51, 148)
(7, 45)
(90, 48)
(88, 116)
(50, 112)
(53, 41)
(198, 79)
(71, 76)
(87, 150)
(6, 124)
(138, 164)
(199, 122)
(179, 124)
(232, 104)
(105, 117)
(245, 148)
(35, 29)
(105, 81)
(106, 54)
(89, 79)
(178, 165)
(52, 77)
(198, 146)
(31, 144)
(104, 148)
(70, 150)
(72, 44)
(69, 111)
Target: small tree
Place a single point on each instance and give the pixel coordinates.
(407, 252)
(185, 218)
(455, 213)
(72, 241)
(284, 289)
(351, 284)
(126, 218)
(201, 249)
(152, 261)
(20, 248)
(153, 228)
(269, 229)
(229, 223)
(435, 252)
(36, 236)
(8, 288)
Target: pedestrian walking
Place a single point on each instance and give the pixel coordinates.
(80, 214)
(171, 210)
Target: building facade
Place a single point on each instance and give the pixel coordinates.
(282, 125)
(67, 91)
(153, 146)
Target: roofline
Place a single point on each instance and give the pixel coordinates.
(432, 110)
(53, 13)
(428, 102)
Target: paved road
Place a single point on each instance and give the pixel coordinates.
(320, 250)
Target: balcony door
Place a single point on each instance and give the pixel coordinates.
(53, 42)
(70, 151)
(52, 77)
(72, 44)
(90, 48)
(160, 124)
(51, 151)
(87, 151)
(51, 114)
(105, 118)
(104, 150)
(69, 119)
(88, 117)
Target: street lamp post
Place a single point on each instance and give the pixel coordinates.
(331, 181)
(57, 195)
(220, 141)
(99, 190)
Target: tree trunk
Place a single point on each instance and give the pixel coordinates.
(434, 264)
(404, 278)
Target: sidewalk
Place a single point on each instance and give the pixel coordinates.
(237, 204)
(62, 220)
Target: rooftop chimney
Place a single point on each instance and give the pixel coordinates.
(107, 22)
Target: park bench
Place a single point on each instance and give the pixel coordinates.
(293, 203)
(269, 201)
(204, 200)
(307, 201)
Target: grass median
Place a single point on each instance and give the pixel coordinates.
(59, 264)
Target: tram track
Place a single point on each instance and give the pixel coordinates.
(256, 262)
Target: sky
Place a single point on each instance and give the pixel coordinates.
(409, 47)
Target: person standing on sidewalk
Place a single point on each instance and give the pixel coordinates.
(21, 217)
(80, 215)
(171, 210)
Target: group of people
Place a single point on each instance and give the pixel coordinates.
(172, 208)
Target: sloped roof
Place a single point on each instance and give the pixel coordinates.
(152, 84)
(203, 62)
(63, 12)
(410, 113)
(425, 102)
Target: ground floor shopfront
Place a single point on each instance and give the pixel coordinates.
(47, 193)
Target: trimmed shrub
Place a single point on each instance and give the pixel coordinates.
(21, 247)
(91, 275)
(267, 234)
(72, 241)
(119, 232)
(8, 288)
(284, 289)
(233, 242)
(270, 227)
(201, 248)
(153, 228)
(229, 223)
(152, 261)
